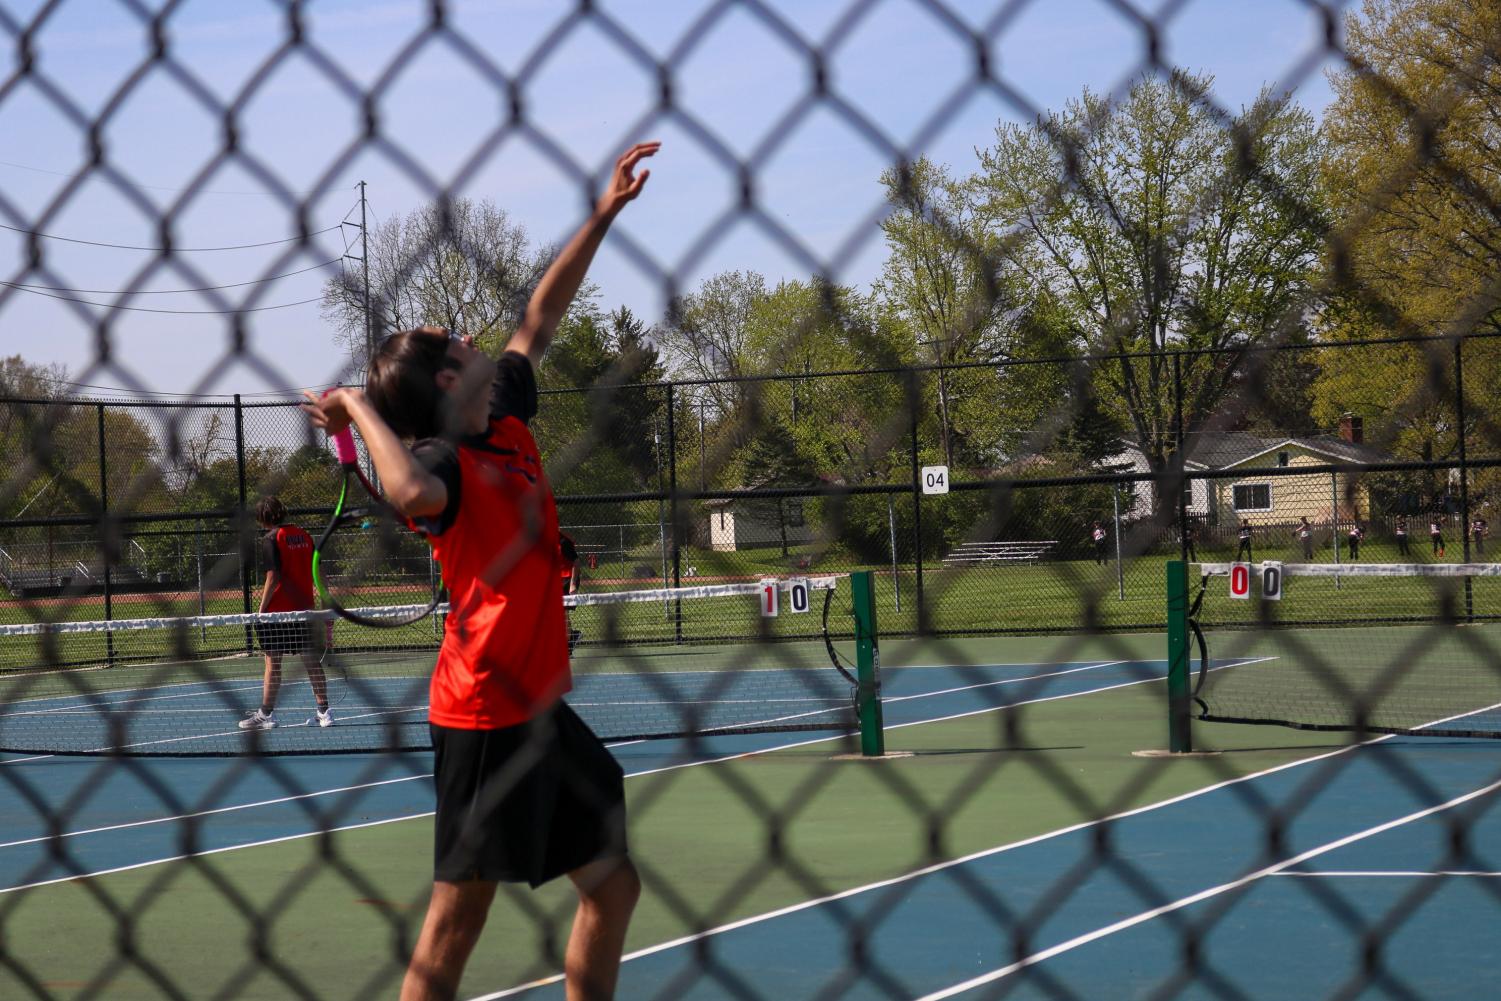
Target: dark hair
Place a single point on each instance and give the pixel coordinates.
(570, 551)
(401, 383)
(270, 510)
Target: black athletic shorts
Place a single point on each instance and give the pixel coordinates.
(527, 803)
(287, 637)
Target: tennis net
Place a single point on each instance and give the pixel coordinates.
(646, 664)
(1369, 648)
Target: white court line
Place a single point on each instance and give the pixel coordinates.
(78, 702)
(216, 810)
(1010, 681)
(34, 757)
(210, 851)
(1378, 874)
(1203, 895)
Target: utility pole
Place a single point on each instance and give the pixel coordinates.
(365, 260)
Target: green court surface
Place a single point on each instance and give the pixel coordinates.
(715, 841)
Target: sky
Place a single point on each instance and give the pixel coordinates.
(901, 81)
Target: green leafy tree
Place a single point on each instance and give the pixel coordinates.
(597, 423)
(1413, 172)
(1144, 226)
(939, 280)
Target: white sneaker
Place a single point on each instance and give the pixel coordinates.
(325, 717)
(257, 721)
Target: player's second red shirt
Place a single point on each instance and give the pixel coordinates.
(504, 656)
(291, 549)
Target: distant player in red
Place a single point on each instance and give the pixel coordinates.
(526, 792)
(287, 552)
(570, 574)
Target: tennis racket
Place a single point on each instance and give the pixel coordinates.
(369, 566)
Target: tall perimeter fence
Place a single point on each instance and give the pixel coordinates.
(1003, 547)
(1147, 326)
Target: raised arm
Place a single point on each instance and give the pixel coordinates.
(407, 486)
(561, 282)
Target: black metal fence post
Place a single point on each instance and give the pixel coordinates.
(1464, 473)
(1180, 482)
(242, 525)
(104, 533)
(672, 513)
(912, 404)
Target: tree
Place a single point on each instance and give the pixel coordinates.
(704, 339)
(600, 428)
(1413, 172)
(24, 428)
(1414, 164)
(939, 280)
(460, 264)
(50, 446)
(1150, 233)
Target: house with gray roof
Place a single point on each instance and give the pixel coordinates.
(1262, 499)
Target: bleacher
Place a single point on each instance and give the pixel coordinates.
(36, 577)
(1000, 552)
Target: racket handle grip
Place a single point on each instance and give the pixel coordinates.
(344, 449)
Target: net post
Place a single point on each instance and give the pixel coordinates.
(868, 665)
(1180, 737)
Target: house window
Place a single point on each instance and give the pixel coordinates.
(1281, 458)
(1253, 497)
(1188, 494)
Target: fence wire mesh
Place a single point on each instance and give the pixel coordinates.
(1141, 326)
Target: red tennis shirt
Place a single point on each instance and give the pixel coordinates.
(504, 656)
(289, 550)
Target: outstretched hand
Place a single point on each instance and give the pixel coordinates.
(330, 410)
(625, 184)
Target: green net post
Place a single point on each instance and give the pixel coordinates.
(1180, 739)
(868, 665)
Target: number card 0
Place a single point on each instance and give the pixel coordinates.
(1271, 581)
(797, 595)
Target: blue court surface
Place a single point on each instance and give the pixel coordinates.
(1366, 851)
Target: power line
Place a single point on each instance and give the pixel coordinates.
(33, 286)
(137, 397)
(146, 309)
(144, 187)
(158, 250)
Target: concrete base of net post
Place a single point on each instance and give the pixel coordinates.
(1162, 752)
(885, 756)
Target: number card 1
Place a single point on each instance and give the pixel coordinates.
(797, 595)
(770, 598)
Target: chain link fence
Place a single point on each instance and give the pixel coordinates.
(1149, 329)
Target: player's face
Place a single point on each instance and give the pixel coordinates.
(468, 371)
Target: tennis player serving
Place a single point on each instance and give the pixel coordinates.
(526, 792)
